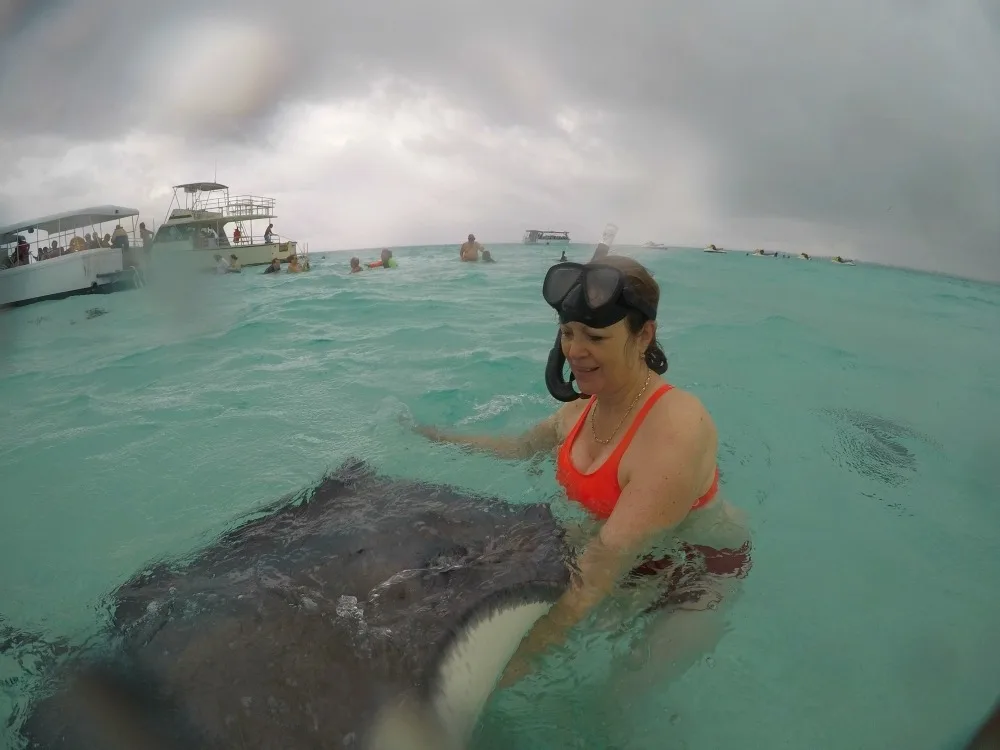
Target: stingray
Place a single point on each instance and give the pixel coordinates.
(876, 447)
(363, 613)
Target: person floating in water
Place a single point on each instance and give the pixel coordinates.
(356, 265)
(221, 264)
(385, 260)
(640, 456)
(487, 257)
(274, 266)
(469, 252)
(293, 265)
(234, 264)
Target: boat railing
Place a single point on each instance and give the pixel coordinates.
(233, 205)
(248, 239)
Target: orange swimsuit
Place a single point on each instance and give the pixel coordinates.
(599, 491)
(685, 574)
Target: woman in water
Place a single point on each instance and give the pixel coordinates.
(640, 456)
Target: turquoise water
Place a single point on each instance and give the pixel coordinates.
(858, 410)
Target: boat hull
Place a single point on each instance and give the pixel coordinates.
(247, 255)
(546, 242)
(96, 270)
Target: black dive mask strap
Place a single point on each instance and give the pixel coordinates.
(560, 388)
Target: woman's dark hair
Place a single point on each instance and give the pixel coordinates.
(644, 286)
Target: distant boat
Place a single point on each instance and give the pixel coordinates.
(714, 249)
(545, 237)
(659, 245)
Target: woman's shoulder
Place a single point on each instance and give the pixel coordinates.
(567, 415)
(680, 411)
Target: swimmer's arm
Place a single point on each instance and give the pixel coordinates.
(541, 438)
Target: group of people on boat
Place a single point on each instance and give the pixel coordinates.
(22, 255)
(239, 238)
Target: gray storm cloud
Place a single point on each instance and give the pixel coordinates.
(863, 124)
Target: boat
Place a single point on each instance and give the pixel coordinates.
(197, 221)
(714, 249)
(545, 237)
(656, 245)
(62, 263)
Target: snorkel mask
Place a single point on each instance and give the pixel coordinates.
(596, 295)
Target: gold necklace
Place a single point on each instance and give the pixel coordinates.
(593, 416)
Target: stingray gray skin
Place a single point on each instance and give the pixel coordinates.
(295, 629)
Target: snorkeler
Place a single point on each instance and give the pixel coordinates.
(639, 455)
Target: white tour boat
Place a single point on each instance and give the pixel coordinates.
(197, 223)
(63, 263)
(545, 237)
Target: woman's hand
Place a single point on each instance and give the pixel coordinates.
(542, 637)
(431, 433)
(518, 668)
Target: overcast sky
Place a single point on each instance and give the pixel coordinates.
(868, 128)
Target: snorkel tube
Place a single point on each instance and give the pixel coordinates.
(558, 386)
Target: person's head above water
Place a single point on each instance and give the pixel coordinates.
(607, 325)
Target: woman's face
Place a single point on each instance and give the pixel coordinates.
(604, 359)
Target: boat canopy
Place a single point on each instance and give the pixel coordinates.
(201, 187)
(67, 221)
(534, 235)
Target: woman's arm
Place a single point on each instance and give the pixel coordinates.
(540, 439)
